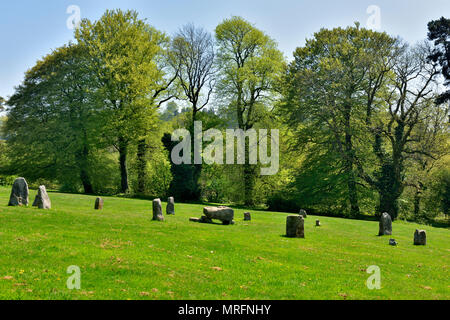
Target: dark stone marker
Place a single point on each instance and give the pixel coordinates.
(157, 210)
(420, 238)
(295, 226)
(247, 216)
(99, 204)
(170, 209)
(19, 193)
(303, 213)
(385, 225)
(42, 200)
(318, 223)
(392, 242)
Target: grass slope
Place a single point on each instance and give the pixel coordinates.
(124, 255)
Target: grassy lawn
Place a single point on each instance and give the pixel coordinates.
(122, 254)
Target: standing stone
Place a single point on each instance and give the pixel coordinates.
(157, 210)
(170, 209)
(99, 204)
(42, 200)
(420, 238)
(385, 225)
(295, 227)
(247, 216)
(224, 214)
(19, 193)
(303, 213)
(318, 223)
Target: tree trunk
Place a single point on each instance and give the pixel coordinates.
(388, 203)
(141, 166)
(249, 184)
(83, 162)
(123, 151)
(349, 165)
(196, 168)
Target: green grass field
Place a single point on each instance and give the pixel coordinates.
(122, 254)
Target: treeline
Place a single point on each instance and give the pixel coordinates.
(363, 116)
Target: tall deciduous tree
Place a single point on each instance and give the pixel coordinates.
(123, 50)
(405, 128)
(51, 126)
(331, 93)
(192, 54)
(250, 67)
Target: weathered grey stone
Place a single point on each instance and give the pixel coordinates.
(157, 210)
(247, 216)
(318, 223)
(420, 238)
(392, 242)
(98, 204)
(295, 226)
(19, 193)
(385, 225)
(224, 214)
(170, 209)
(303, 213)
(194, 219)
(42, 200)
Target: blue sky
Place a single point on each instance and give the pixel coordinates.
(30, 29)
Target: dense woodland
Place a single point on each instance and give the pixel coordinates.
(363, 116)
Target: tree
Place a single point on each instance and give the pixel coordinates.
(192, 54)
(51, 126)
(439, 32)
(124, 51)
(2, 103)
(330, 95)
(409, 126)
(250, 67)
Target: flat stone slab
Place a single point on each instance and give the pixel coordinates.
(224, 214)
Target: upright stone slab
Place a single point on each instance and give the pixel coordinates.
(157, 210)
(170, 209)
(318, 223)
(224, 214)
(42, 200)
(420, 238)
(247, 216)
(19, 193)
(385, 225)
(303, 213)
(98, 204)
(295, 227)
